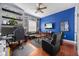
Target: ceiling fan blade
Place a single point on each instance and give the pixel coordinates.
(41, 11)
(43, 8)
(39, 5)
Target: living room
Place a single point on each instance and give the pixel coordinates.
(38, 29)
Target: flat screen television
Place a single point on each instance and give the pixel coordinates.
(48, 25)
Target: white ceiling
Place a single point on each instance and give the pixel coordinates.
(52, 8)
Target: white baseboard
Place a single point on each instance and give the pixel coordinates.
(72, 42)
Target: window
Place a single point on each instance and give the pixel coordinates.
(32, 26)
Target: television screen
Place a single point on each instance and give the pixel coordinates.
(49, 25)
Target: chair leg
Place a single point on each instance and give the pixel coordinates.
(20, 47)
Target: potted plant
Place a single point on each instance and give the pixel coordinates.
(12, 22)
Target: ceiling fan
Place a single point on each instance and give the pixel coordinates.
(40, 8)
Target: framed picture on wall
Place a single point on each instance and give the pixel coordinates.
(64, 26)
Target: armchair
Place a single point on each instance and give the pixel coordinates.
(53, 47)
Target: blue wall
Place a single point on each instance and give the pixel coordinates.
(56, 18)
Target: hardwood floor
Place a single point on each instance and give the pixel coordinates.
(66, 49)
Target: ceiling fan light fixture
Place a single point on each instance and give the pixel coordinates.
(39, 8)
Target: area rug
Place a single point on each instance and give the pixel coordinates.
(25, 51)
